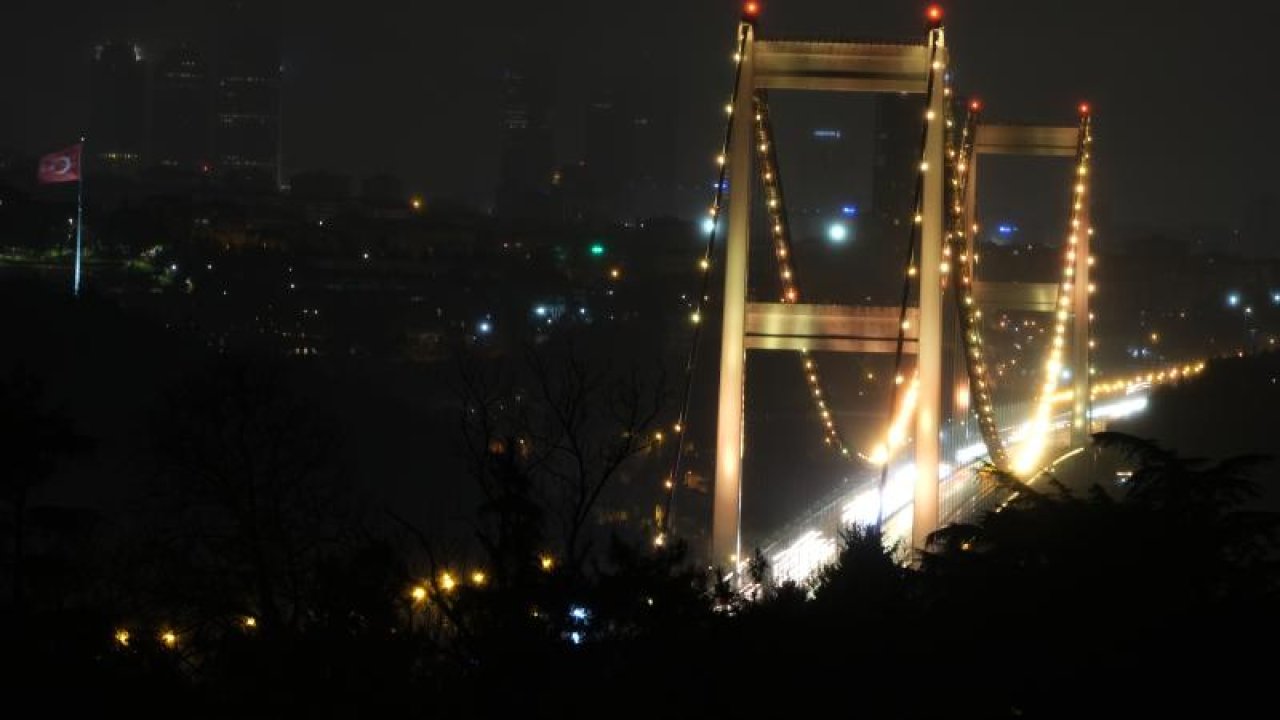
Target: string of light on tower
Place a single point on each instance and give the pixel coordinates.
(962, 273)
(680, 428)
(779, 231)
(905, 396)
(1037, 436)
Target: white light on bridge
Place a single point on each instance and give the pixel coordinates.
(805, 557)
(1120, 409)
(708, 226)
(837, 233)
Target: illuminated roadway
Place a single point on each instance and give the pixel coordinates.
(812, 543)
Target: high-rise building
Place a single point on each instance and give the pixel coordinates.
(247, 137)
(629, 158)
(528, 144)
(181, 114)
(608, 153)
(117, 107)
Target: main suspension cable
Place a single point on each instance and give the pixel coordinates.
(703, 299)
(913, 237)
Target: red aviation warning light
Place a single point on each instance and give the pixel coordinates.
(750, 11)
(1084, 108)
(934, 15)
(975, 105)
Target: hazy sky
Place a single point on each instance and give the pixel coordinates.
(1185, 111)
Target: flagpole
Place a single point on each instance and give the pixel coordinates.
(75, 287)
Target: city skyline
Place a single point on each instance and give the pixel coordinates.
(417, 92)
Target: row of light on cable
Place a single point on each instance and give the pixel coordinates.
(1124, 385)
(704, 266)
(896, 434)
(1035, 443)
(786, 273)
(970, 315)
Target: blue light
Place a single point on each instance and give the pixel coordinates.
(1007, 230)
(837, 233)
(708, 226)
(849, 211)
(1233, 300)
(579, 613)
(540, 311)
(576, 637)
(1275, 297)
(484, 328)
(825, 134)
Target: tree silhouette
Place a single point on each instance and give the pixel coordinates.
(250, 492)
(34, 440)
(549, 445)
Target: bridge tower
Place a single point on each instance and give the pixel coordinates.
(1042, 141)
(830, 67)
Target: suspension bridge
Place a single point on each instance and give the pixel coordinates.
(948, 424)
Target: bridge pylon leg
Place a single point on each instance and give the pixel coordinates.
(1081, 365)
(726, 536)
(929, 409)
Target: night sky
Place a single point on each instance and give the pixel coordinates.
(1182, 92)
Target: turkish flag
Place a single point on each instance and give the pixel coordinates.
(62, 166)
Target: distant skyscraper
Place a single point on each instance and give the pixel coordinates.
(895, 158)
(528, 145)
(181, 117)
(609, 154)
(118, 107)
(629, 159)
(247, 137)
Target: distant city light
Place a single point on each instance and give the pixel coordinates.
(849, 211)
(825, 134)
(416, 203)
(484, 327)
(708, 226)
(597, 249)
(1233, 299)
(837, 232)
(1275, 297)
(540, 311)
(1007, 230)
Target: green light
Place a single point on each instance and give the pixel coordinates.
(597, 249)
